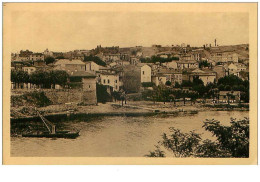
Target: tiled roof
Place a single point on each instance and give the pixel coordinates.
(82, 74)
(67, 61)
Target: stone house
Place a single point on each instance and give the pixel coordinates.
(110, 57)
(229, 96)
(171, 75)
(224, 56)
(159, 79)
(235, 69)
(24, 55)
(47, 53)
(206, 76)
(146, 73)
(38, 63)
(191, 64)
(29, 69)
(70, 65)
(36, 57)
(112, 80)
(87, 85)
(92, 66)
(220, 70)
(172, 64)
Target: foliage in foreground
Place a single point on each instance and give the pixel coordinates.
(231, 141)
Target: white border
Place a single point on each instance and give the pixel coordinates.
(127, 173)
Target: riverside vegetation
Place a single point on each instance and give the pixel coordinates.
(231, 141)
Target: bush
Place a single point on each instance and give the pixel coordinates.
(102, 95)
(231, 141)
(38, 99)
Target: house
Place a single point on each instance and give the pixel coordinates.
(57, 55)
(92, 66)
(139, 54)
(235, 69)
(39, 63)
(87, 84)
(29, 69)
(220, 70)
(110, 57)
(111, 80)
(224, 56)
(17, 65)
(25, 53)
(172, 76)
(159, 79)
(104, 69)
(229, 96)
(187, 57)
(36, 57)
(206, 76)
(70, 65)
(146, 73)
(184, 64)
(134, 60)
(176, 77)
(172, 64)
(47, 53)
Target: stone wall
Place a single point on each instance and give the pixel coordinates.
(89, 97)
(64, 95)
(72, 95)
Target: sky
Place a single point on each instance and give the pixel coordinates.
(71, 30)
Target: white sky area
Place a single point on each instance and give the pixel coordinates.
(70, 30)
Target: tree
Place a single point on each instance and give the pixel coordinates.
(102, 94)
(221, 87)
(231, 141)
(131, 80)
(177, 85)
(19, 77)
(60, 57)
(95, 59)
(230, 80)
(49, 60)
(168, 83)
(59, 77)
(203, 64)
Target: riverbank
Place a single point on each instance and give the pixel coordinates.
(116, 108)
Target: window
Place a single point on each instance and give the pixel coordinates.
(116, 81)
(104, 81)
(143, 72)
(89, 86)
(108, 81)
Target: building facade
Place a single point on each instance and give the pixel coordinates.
(146, 73)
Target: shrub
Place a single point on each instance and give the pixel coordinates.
(231, 141)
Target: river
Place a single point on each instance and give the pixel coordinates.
(112, 136)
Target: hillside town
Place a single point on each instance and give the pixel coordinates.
(180, 74)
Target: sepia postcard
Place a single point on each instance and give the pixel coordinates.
(130, 83)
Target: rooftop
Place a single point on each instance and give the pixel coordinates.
(67, 61)
(82, 74)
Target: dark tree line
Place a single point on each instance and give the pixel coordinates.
(155, 59)
(43, 79)
(197, 89)
(95, 59)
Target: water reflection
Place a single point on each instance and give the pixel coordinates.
(115, 136)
